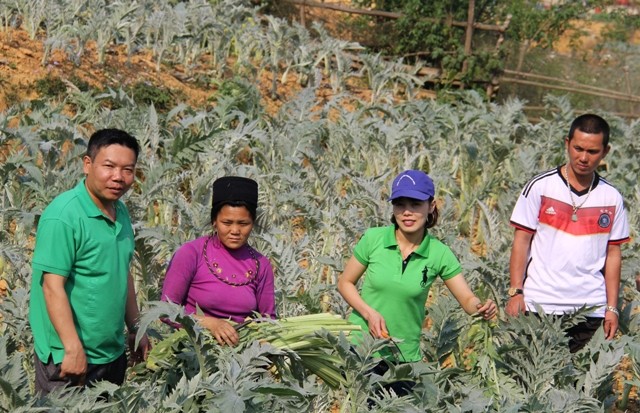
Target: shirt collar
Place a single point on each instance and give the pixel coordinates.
(389, 241)
(88, 205)
(596, 179)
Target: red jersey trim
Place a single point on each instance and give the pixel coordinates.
(620, 241)
(591, 220)
(522, 227)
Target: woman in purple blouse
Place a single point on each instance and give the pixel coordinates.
(221, 273)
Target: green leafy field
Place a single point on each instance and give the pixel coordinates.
(324, 167)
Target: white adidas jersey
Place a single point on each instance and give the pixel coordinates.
(565, 267)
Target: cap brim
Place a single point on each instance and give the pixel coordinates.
(420, 196)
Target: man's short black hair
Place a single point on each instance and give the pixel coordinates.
(590, 123)
(107, 137)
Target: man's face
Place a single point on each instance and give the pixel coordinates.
(110, 174)
(585, 152)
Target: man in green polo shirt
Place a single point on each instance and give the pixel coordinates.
(81, 292)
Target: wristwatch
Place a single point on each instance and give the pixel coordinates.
(514, 291)
(613, 309)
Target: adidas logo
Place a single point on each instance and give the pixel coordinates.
(550, 211)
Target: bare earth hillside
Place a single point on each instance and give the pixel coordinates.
(21, 68)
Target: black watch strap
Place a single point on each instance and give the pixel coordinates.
(514, 291)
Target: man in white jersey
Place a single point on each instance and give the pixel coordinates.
(569, 224)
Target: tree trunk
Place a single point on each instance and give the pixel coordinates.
(468, 38)
(524, 48)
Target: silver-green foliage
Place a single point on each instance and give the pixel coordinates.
(324, 169)
(324, 174)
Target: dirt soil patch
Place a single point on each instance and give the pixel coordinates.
(22, 66)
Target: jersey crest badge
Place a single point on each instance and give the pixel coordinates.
(604, 221)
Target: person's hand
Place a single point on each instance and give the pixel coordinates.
(74, 365)
(487, 310)
(222, 330)
(515, 306)
(610, 324)
(377, 325)
(140, 353)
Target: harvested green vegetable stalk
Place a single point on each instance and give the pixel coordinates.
(298, 334)
(289, 333)
(295, 334)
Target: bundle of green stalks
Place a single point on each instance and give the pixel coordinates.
(297, 334)
(294, 335)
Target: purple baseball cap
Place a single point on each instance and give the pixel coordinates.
(412, 184)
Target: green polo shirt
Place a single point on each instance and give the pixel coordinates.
(399, 296)
(76, 240)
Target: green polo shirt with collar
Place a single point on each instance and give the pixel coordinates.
(77, 241)
(399, 296)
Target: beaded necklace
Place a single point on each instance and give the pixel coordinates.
(216, 270)
(574, 215)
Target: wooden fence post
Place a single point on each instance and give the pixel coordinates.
(468, 38)
(494, 84)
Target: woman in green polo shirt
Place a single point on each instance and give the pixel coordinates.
(402, 261)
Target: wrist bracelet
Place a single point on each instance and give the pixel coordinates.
(612, 309)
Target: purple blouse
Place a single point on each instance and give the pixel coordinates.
(189, 281)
